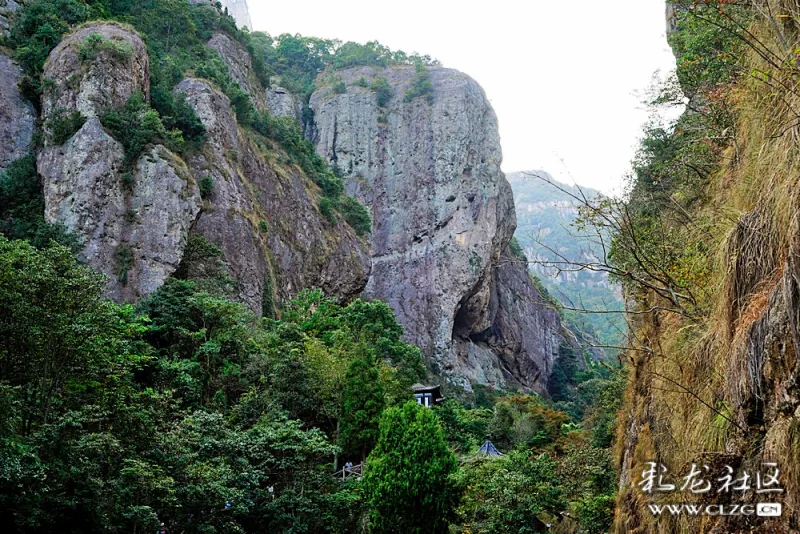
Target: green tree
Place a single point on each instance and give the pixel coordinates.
(362, 406)
(516, 494)
(409, 476)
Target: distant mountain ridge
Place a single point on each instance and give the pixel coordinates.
(545, 216)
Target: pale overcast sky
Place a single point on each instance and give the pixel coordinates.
(566, 78)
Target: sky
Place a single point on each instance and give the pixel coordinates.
(566, 79)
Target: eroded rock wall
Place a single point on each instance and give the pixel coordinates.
(443, 214)
(294, 248)
(17, 116)
(135, 218)
(132, 219)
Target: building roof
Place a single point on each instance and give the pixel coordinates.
(489, 449)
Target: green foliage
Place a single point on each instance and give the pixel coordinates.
(602, 416)
(268, 298)
(516, 251)
(298, 60)
(326, 209)
(465, 429)
(595, 514)
(94, 44)
(124, 257)
(62, 125)
(422, 85)
(339, 88)
(263, 226)
(202, 264)
(355, 214)
(517, 493)
(383, 91)
(22, 207)
(408, 481)
(37, 28)
(525, 422)
(136, 125)
(206, 185)
(362, 82)
(706, 44)
(362, 404)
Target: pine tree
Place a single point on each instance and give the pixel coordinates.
(362, 406)
(408, 479)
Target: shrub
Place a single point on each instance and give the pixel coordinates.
(422, 85)
(595, 514)
(136, 125)
(326, 209)
(355, 214)
(62, 125)
(96, 43)
(516, 250)
(206, 186)
(383, 91)
(263, 226)
(124, 258)
(340, 88)
(362, 82)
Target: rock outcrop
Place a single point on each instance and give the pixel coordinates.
(236, 8)
(7, 10)
(525, 338)
(97, 67)
(282, 103)
(443, 214)
(17, 116)
(133, 220)
(240, 67)
(295, 247)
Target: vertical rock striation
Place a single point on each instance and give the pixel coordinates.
(294, 247)
(17, 116)
(443, 214)
(133, 220)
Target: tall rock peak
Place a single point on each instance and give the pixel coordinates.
(443, 212)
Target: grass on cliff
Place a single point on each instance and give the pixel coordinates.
(697, 385)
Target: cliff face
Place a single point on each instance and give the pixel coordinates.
(443, 214)
(135, 234)
(720, 388)
(236, 8)
(429, 171)
(135, 222)
(17, 116)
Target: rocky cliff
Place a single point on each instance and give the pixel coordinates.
(236, 8)
(429, 169)
(714, 386)
(17, 116)
(135, 220)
